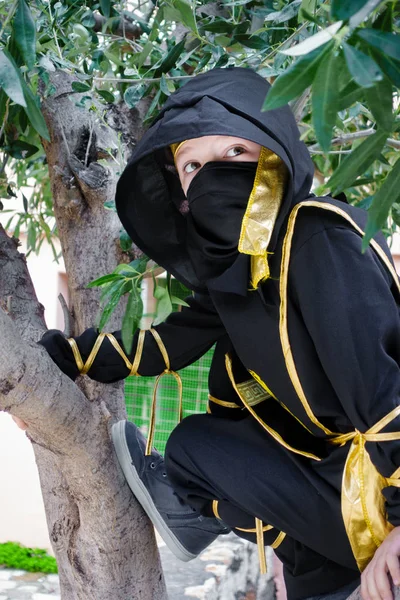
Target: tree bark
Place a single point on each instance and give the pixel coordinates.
(103, 542)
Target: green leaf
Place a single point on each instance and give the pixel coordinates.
(312, 42)
(10, 79)
(350, 94)
(147, 48)
(388, 193)
(357, 162)
(357, 18)
(178, 301)
(380, 101)
(325, 95)
(139, 264)
(79, 86)
(88, 19)
(153, 105)
(124, 240)
(344, 9)
(387, 43)
(21, 149)
(105, 7)
(25, 202)
(218, 26)
(25, 33)
(134, 93)
(104, 280)
(222, 61)
(203, 61)
(166, 86)
(390, 67)
(186, 11)
(362, 67)
(295, 79)
(169, 61)
(287, 13)
(112, 304)
(307, 7)
(164, 304)
(250, 41)
(34, 113)
(106, 95)
(132, 316)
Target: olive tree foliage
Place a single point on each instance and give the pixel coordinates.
(337, 62)
(78, 83)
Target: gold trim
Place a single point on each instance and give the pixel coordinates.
(261, 213)
(254, 530)
(215, 509)
(84, 368)
(362, 500)
(278, 540)
(223, 403)
(261, 547)
(76, 353)
(283, 326)
(363, 506)
(272, 432)
(264, 385)
(138, 354)
(178, 379)
(161, 347)
(176, 147)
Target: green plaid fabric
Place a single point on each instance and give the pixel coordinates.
(139, 394)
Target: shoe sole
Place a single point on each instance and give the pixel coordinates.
(142, 495)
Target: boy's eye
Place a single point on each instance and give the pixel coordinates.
(190, 167)
(235, 151)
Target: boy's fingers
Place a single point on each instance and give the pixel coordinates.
(21, 424)
(380, 580)
(393, 564)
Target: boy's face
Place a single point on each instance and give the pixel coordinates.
(194, 153)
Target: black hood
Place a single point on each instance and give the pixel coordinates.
(220, 102)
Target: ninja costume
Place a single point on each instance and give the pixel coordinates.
(300, 446)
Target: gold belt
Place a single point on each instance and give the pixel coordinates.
(363, 505)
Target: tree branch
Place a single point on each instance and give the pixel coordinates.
(119, 26)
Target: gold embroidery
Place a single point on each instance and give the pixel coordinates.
(261, 212)
(272, 432)
(253, 392)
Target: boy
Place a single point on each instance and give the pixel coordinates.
(302, 430)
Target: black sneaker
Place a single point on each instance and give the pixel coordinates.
(185, 531)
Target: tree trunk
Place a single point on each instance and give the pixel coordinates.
(103, 542)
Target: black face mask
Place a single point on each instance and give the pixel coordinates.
(218, 197)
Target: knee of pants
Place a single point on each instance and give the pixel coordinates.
(186, 436)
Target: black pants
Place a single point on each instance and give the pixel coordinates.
(251, 475)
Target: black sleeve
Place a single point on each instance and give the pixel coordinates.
(186, 335)
(223, 399)
(349, 303)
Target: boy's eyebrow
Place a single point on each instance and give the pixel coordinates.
(185, 148)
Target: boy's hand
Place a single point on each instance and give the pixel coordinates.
(375, 581)
(21, 424)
